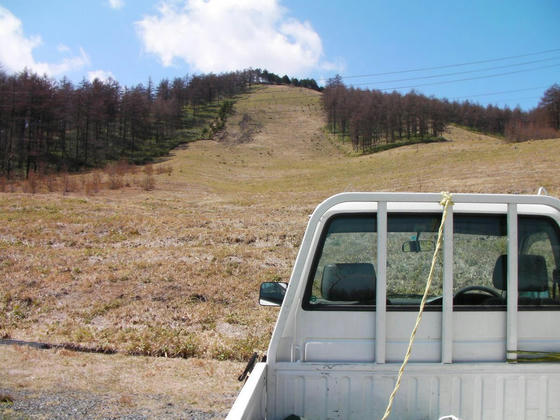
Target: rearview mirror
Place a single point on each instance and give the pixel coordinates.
(418, 246)
(272, 293)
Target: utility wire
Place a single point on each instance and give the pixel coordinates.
(459, 72)
(449, 65)
(450, 74)
(499, 93)
(468, 78)
(519, 99)
(281, 100)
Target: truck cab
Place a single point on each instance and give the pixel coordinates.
(488, 345)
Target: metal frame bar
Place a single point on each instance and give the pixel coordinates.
(512, 293)
(447, 307)
(381, 292)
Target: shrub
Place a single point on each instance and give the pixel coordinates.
(115, 174)
(96, 182)
(31, 184)
(93, 184)
(164, 170)
(4, 333)
(68, 183)
(88, 187)
(148, 181)
(517, 131)
(51, 182)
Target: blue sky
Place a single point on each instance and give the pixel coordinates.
(131, 40)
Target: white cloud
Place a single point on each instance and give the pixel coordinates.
(16, 50)
(116, 4)
(223, 35)
(63, 48)
(100, 74)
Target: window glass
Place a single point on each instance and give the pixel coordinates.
(480, 261)
(539, 251)
(344, 270)
(411, 241)
(344, 273)
(479, 243)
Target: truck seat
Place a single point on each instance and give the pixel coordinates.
(532, 279)
(349, 282)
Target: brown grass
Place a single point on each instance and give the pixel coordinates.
(175, 271)
(164, 169)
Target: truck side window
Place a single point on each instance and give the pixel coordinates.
(344, 268)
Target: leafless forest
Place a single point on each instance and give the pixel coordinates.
(371, 118)
(53, 126)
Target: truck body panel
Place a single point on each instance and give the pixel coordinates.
(428, 391)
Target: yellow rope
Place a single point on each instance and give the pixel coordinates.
(445, 202)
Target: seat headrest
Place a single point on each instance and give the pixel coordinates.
(348, 282)
(532, 275)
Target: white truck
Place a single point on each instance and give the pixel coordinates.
(488, 346)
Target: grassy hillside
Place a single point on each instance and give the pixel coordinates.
(176, 270)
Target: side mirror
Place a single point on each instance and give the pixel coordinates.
(418, 246)
(272, 293)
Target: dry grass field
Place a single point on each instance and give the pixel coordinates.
(174, 271)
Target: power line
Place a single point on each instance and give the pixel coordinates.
(451, 74)
(519, 99)
(431, 84)
(469, 78)
(459, 72)
(450, 65)
(499, 93)
(284, 101)
(303, 111)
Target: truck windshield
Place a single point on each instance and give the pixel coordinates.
(344, 269)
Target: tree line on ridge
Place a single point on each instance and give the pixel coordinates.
(48, 125)
(373, 119)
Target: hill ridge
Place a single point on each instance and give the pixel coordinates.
(290, 149)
